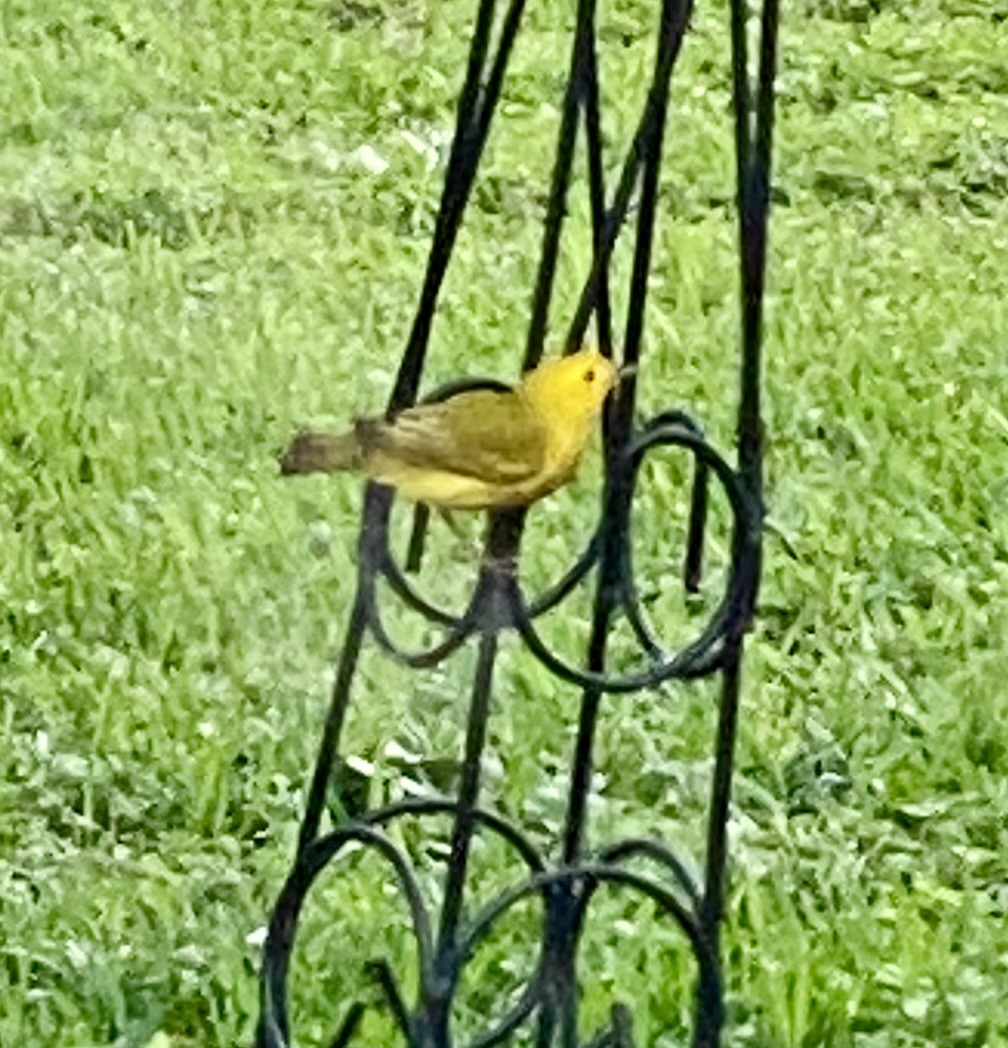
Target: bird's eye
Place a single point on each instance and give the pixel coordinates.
(589, 375)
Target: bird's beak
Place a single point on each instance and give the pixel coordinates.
(626, 372)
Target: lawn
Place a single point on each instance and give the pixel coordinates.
(214, 216)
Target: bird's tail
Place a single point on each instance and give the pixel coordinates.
(314, 452)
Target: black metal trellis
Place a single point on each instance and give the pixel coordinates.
(549, 1000)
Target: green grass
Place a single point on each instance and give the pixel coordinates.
(195, 260)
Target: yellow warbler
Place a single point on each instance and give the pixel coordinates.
(479, 449)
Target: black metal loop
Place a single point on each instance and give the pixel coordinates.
(702, 655)
(446, 806)
(584, 879)
(395, 577)
(273, 1030)
(588, 559)
(460, 632)
(659, 853)
(280, 938)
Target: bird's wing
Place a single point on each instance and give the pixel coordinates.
(494, 436)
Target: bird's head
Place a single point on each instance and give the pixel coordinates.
(574, 386)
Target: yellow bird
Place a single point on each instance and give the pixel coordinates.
(480, 449)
